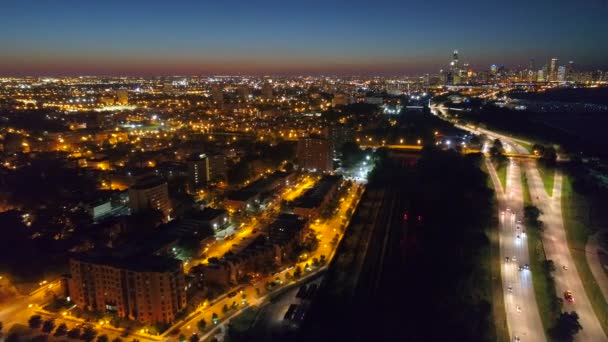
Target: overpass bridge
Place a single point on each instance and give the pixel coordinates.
(418, 148)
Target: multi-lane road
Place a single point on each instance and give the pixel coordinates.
(556, 249)
(523, 318)
(555, 244)
(20, 308)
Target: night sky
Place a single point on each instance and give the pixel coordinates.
(45, 37)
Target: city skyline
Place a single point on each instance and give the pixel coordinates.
(269, 37)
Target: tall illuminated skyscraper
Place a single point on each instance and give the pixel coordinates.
(561, 73)
(570, 71)
(453, 76)
(455, 59)
(553, 70)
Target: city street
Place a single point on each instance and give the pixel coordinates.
(523, 318)
(257, 294)
(21, 308)
(251, 229)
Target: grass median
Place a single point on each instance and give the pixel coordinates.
(501, 171)
(547, 173)
(575, 212)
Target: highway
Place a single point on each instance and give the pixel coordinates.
(555, 242)
(523, 318)
(556, 249)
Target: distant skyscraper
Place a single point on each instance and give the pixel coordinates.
(532, 65)
(455, 61)
(570, 71)
(453, 76)
(540, 75)
(561, 73)
(553, 70)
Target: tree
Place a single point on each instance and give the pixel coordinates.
(88, 334)
(531, 215)
(103, 338)
(61, 330)
(497, 153)
(322, 259)
(475, 141)
(35, 321)
(225, 308)
(194, 338)
(74, 333)
(298, 272)
(118, 339)
(48, 326)
(13, 337)
(566, 327)
(288, 167)
(202, 324)
(549, 266)
(214, 318)
(181, 338)
(350, 154)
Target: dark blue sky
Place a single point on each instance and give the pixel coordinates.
(44, 37)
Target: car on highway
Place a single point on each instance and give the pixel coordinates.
(526, 266)
(521, 268)
(568, 296)
(514, 258)
(507, 259)
(516, 338)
